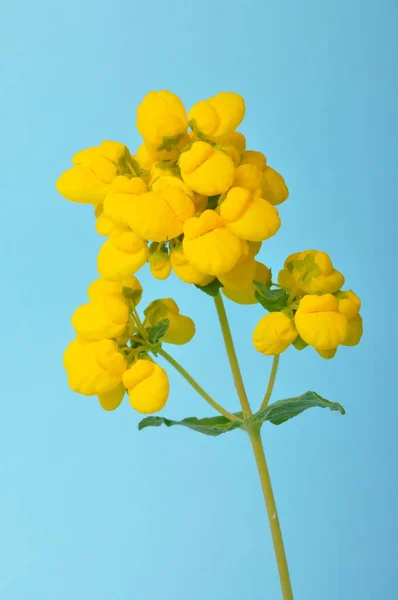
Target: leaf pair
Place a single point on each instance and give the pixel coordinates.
(277, 413)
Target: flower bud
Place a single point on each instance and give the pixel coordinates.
(147, 386)
(275, 189)
(274, 333)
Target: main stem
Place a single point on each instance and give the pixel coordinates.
(258, 450)
(233, 359)
(279, 549)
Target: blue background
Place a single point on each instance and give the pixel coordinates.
(90, 507)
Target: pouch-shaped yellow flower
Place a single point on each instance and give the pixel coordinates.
(349, 303)
(354, 331)
(207, 170)
(123, 254)
(160, 216)
(147, 385)
(319, 322)
(93, 368)
(161, 116)
(209, 246)
(159, 264)
(262, 275)
(275, 189)
(181, 328)
(249, 217)
(274, 333)
(101, 287)
(105, 318)
(111, 400)
(115, 152)
(252, 157)
(219, 115)
(185, 270)
(250, 177)
(122, 198)
(103, 225)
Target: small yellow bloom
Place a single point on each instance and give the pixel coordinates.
(159, 216)
(159, 264)
(310, 272)
(250, 177)
(274, 333)
(252, 157)
(93, 368)
(354, 331)
(241, 276)
(122, 198)
(275, 189)
(249, 217)
(105, 318)
(147, 386)
(101, 287)
(349, 303)
(111, 400)
(219, 115)
(185, 270)
(262, 275)
(181, 328)
(320, 323)
(123, 254)
(161, 116)
(209, 246)
(206, 170)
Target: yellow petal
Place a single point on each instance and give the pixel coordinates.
(274, 333)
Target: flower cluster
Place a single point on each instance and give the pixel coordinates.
(191, 199)
(309, 308)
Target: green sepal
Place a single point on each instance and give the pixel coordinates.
(169, 143)
(156, 332)
(212, 202)
(299, 343)
(133, 296)
(307, 267)
(283, 410)
(208, 426)
(211, 289)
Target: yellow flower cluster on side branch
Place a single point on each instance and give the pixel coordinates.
(308, 308)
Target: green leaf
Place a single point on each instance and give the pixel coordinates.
(283, 410)
(208, 426)
(211, 289)
(156, 332)
(271, 300)
(212, 202)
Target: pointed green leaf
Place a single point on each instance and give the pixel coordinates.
(208, 426)
(156, 332)
(271, 300)
(283, 410)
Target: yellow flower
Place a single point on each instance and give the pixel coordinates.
(122, 198)
(249, 217)
(354, 331)
(184, 270)
(105, 318)
(161, 117)
(241, 276)
(103, 225)
(219, 115)
(275, 189)
(209, 246)
(349, 303)
(327, 353)
(262, 275)
(233, 144)
(159, 264)
(274, 333)
(94, 169)
(171, 152)
(144, 157)
(252, 157)
(123, 254)
(147, 386)
(94, 368)
(160, 216)
(181, 328)
(101, 287)
(249, 177)
(320, 323)
(111, 400)
(310, 272)
(206, 170)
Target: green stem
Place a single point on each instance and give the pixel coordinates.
(286, 586)
(197, 387)
(271, 382)
(233, 360)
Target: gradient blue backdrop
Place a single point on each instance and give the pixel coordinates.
(90, 507)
